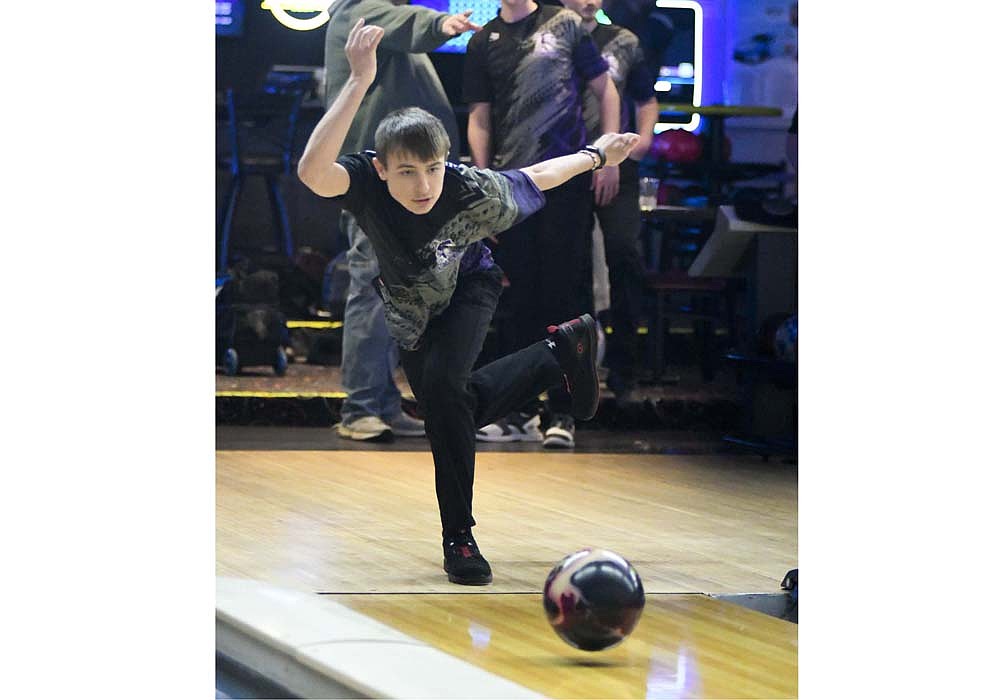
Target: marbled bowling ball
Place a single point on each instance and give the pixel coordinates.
(593, 599)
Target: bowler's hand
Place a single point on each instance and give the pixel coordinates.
(456, 24)
(605, 185)
(616, 147)
(360, 49)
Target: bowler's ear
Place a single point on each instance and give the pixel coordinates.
(379, 168)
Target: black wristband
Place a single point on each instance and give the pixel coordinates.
(599, 152)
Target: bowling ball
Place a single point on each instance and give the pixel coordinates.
(676, 146)
(593, 599)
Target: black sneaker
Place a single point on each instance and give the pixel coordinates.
(576, 350)
(463, 562)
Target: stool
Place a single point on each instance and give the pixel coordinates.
(712, 303)
(260, 131)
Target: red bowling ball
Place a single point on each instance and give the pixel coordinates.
(676, 146)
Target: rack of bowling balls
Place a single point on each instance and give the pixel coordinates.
(677, 155)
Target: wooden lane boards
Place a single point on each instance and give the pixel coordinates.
(355, 521)
(684, 646)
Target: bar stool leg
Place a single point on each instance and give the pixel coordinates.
(284, 231)
(705, 336)
(232, 197)
(658, 341)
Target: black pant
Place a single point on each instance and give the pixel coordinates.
(455, 400)
(547, 258)
(621, 226)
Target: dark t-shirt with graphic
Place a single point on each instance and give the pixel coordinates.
(533, 73)
(620, 49)
(422, 255)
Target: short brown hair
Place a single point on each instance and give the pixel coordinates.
(412, 130)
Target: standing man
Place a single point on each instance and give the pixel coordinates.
(525, 73)
(405, 78)
(619, 216)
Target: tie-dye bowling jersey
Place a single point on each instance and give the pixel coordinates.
(620, 49)
(421, 255)
(533, 73)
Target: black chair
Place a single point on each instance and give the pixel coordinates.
(708, 303)
(260, 130)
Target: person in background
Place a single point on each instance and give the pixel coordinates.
(792, 152)
(619, 216)
(655, 31)
(373, 407)
(427, 220)
(524, 78)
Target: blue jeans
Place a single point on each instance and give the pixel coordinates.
(369, 353)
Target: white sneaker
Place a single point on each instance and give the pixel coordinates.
(405, 425)
(561, 434)
(365, 428)
(516, 427)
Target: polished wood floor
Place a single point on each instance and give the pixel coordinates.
(685, 646)
(360, 522)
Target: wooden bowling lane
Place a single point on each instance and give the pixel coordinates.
(685, 645)
(359, 522)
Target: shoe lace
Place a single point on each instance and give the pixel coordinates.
(564, 422)
(463, 543)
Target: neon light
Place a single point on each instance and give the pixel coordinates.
(601, 18)
(698, 70)
(281, 8)
(314, 324)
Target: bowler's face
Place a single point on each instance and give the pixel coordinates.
(414, 183)
(587, 9)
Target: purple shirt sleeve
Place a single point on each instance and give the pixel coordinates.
(527, 197)
(587, 59)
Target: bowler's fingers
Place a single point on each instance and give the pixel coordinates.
(374, 36)
(352, 37)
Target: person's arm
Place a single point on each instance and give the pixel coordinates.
(477, 92)
(611, 105)
(555, 171)
(318, 168)
(480, 134)
(414, 29)
(640, 86)
(605, 183)
(646, 116)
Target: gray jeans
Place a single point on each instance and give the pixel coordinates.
(369, 353)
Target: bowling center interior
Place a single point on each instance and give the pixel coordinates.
(642, 545)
